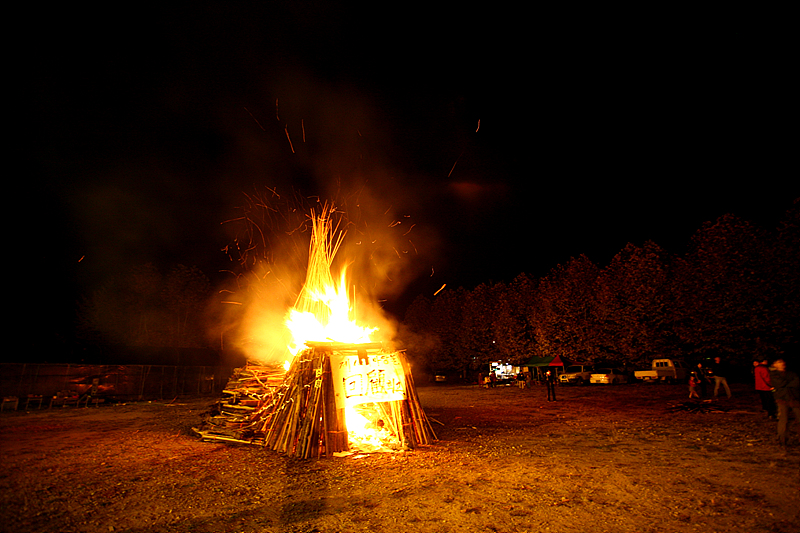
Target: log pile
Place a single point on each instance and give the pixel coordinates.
(296, 413)
(234, 417)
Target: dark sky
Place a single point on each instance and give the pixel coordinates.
(518, 141)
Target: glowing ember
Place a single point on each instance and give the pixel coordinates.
(367, 435)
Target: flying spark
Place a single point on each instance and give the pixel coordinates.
(286, 129)
(254, 118)
(454, 164)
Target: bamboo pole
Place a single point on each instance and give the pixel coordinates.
(295, 412)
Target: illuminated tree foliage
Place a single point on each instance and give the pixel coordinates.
(735, 293)
(785, 279)
(633, 304)
(566, 312)
(511, 324)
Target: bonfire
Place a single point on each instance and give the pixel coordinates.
(339, 391)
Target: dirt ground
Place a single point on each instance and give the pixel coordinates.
(601, 458)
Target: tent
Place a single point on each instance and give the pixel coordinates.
(544, 361)
(537, 366)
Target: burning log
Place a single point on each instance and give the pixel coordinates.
(308, 413)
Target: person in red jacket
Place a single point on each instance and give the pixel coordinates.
(764, 387)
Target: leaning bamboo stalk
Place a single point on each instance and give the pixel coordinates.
(312, 406)
(427, 430)
(300, 417)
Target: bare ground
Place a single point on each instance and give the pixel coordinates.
(601, 458)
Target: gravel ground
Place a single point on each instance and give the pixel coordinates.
(629, 458)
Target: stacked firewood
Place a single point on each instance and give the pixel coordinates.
(235, 416)
(295, 412)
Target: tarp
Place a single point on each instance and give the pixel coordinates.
(544, 361)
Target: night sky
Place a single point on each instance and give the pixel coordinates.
(513, 142)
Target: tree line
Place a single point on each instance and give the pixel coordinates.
(735, 292)
(145, 306)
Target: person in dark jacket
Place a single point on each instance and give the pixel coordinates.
(720, 371)
(550, 381)
(702, 375)
(786, 388)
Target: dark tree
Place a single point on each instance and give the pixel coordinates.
(633, 305)
(142, 307)
(565, 316)
(726, 295)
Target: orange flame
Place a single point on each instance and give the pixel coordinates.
(324, 310)
(367, 436)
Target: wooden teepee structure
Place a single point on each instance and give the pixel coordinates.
(304, 412)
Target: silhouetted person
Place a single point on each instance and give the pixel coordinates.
(720, 370)
(702, 376)
(786, 388)
(550, 381)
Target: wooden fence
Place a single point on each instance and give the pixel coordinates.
(110, 382)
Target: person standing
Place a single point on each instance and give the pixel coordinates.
(764, 387)
(786, 388)
(693, 382)
(550, 380)
(702, 377)
(720, 370)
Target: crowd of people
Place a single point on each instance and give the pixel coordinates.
(778, 388)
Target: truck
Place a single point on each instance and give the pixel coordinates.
(664, 370)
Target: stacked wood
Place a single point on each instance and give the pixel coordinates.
(298, 416)
(236, 415)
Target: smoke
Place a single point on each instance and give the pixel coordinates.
(269, 250)
(317, 144)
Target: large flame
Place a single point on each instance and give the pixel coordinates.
(367, 435)
(324, 310)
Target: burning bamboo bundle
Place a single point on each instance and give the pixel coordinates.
(334, 398)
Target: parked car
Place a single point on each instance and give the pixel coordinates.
(611, 376)
(664, 370)
(579, 374)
